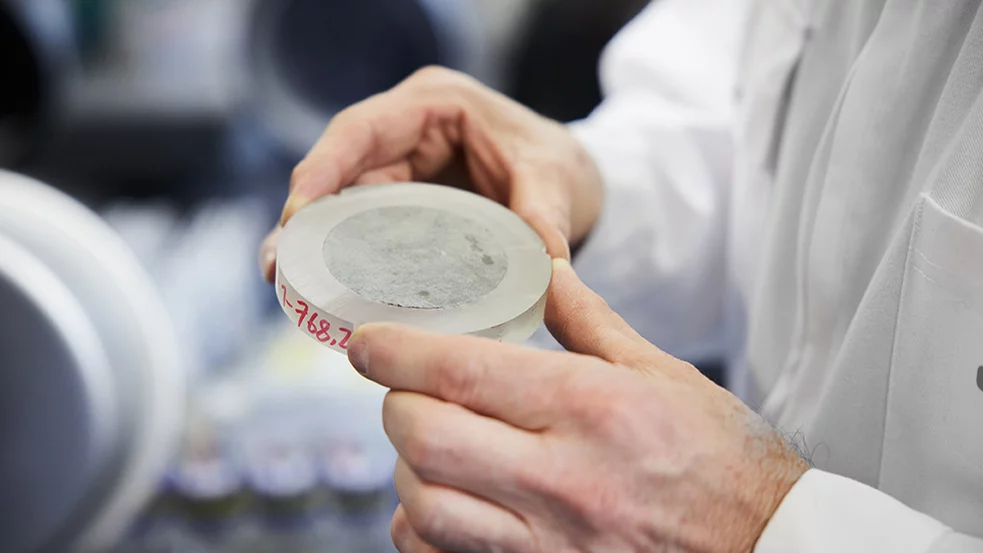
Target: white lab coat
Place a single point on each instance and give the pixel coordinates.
(798, 185)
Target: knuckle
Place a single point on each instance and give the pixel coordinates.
(399, 530)
(458, 377)
(561, 392)
(429, 516)
(423, 440)
(424, 448)
(535, 480)
(590, 503)
(417, 449)
(582, 408)
(436, 75)
(610, 414)
(381, 346)
(578, 392)
(431, 73)
(390, 412)
(346, 115)
(604, 413)
(569, 388)
(354, 121)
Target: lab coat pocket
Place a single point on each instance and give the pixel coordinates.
(933, 436)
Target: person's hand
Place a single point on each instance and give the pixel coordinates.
(619, 447)
(444, 127)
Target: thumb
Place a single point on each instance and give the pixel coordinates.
(583, 323)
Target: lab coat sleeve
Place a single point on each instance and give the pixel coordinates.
(662, 140)
(826, 513)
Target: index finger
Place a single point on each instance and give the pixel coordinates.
(511, 383)
(376, 132)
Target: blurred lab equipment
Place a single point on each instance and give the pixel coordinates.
(179, 97)
(285, 448)
(557, 51)
(202, 260)
(91, 387)
(286, 453)
(311, 58)
(36, 55)
(146, 108)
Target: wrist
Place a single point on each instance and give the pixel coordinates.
(782, 477)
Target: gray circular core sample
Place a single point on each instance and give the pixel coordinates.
(416, 257)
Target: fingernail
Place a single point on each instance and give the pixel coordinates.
(358, 353)
(294, 204)
(560, 264)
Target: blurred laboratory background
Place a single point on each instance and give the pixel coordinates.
(152, 396)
